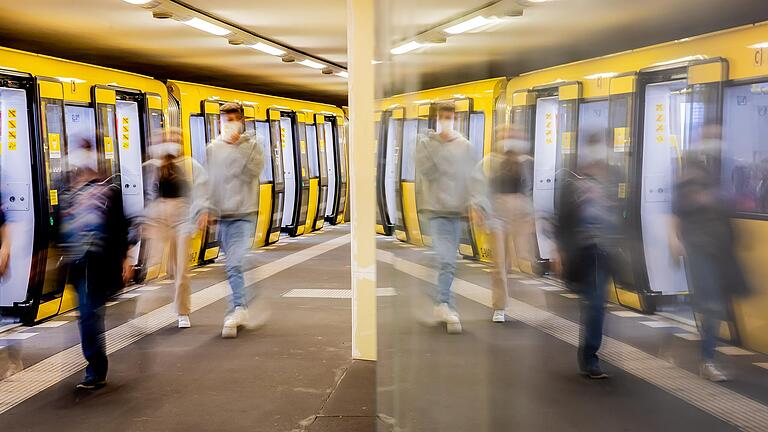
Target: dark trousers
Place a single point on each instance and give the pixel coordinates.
(84, 275)
(592, 289)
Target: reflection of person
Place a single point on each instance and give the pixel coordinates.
(702, 232)
(95, 237)
(444, 166)
(235, 160)
(505, 202)
(173, 203)
(586, 231)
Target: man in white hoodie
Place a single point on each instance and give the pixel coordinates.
(235, 161)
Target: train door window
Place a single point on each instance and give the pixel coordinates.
(744, 172)
(261, 129)
(107, 130)
(212, 125)
(394, 142)
(461, 123)
(342, 132)
(312, 154)
(593, 124)
(250, 126)
(322, 158)
(289, 169)
(197, 138)
(330, 155)
(423, 126)
(80, 124)
(664, 125)
(15, 165)
(545, 152)
(477, 135)
(410, 138)
(155, 119)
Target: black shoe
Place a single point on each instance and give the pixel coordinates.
(91, 384)
(596, 373)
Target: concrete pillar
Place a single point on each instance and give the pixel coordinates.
(362, 167)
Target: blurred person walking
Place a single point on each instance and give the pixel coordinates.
(176, 189)
(504, 199)
(12, 351)
(235, 161)
(702, 233)
(587, 230)
(95, 238)
(444, 165)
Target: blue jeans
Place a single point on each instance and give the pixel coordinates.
(91, 295)
(592, 290)
(705, 279)
(446, 233)
(236, 240)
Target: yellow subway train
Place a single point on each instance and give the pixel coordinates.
(650, 105)
(47, 102)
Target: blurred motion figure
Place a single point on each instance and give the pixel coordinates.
(12, 351)
(235, 160)
(444, 164)
(173, 205)
(96, 237)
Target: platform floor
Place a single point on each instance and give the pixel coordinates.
(292, 370)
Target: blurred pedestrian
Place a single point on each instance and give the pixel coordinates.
(507, 208)
(95, 237)
(235, 161)
(12, 351)
(176, 191)
(702, 233)
(586, 231)
(444, 164)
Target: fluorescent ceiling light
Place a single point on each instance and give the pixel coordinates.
(343, 74)
(206, 27)
(470, 24)
(681, 60)
(759, 45)
(406, 47)
(268, 49)
(374, 62)
(137, 2)
(312, 64)
(71, 80)
(601, 75)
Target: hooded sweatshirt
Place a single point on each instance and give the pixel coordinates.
(444, 169)
(233, 173)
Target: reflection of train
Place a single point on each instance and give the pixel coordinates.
(46, 103)
(649, 105)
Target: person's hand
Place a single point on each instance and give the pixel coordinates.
(5, 256)
(202, 221)
(127, 271)
(676, 249)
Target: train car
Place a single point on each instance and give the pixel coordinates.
(301, 179)
(400, 122)
(46, 104)
(651, 105)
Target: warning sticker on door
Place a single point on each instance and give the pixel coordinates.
(54, 196)
(54, 145)
(620, 139)
(109, 148)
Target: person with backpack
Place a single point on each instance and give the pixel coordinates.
(176, 192)
(95, 236)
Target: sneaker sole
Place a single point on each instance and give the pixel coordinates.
(229, 332)
(499, 320)
(453, 328)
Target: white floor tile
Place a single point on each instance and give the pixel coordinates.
(627, 314)
(689, 336)
(17, 336)
(733, 351)
(657, 324)
(51, 324)
(570, 295)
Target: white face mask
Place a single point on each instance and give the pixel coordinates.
(515, 145)
(444, 125)
(231, 131)
(81, 158)
(165, 149)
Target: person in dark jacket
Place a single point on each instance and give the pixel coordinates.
(587, 230)
(95, 238)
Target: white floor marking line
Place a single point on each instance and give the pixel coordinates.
(570, 295)
(17, 336)
(54, 369)
(216, 265)
(688, 336)
(657, 324)
(487, 270)
(762, 365)
(627, 314)
(204, 269)
(514, 276)
(531, 282)
(51, 324)
(419, 248)
(719, 401)
(734, 351)
(111, 303)
(128, 295)
(686, 321)
(332, 293)
(549, 288)
(148, 288)
(475, 265)
(165, 282)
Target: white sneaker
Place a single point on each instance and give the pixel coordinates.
(498, 316)
(234, 320)
(444, 313)
(710, 372)
(184, 321)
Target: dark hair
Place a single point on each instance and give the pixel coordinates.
(232, 108)
(445, 108)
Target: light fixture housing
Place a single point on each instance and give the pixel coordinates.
(470, 24)
(288, 59)
(406, 47)
(312, 64)
(137, 2)
(343, 74)
(267, 49)
(206, 26)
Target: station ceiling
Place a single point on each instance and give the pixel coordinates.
(117, 34)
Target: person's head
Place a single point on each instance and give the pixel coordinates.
(169, 146)
(595, 151)
(232, 117)
(512, 139)
(82, 160)
(446, 114)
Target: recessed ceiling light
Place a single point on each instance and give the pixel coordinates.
(759, 45)
(681, 60)
(343, 74)
(601, 75)
(406, 47)
(470, 24)
(71, 80)
(206, 26)
(137, 2)
(312, 64)
(268, 49)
